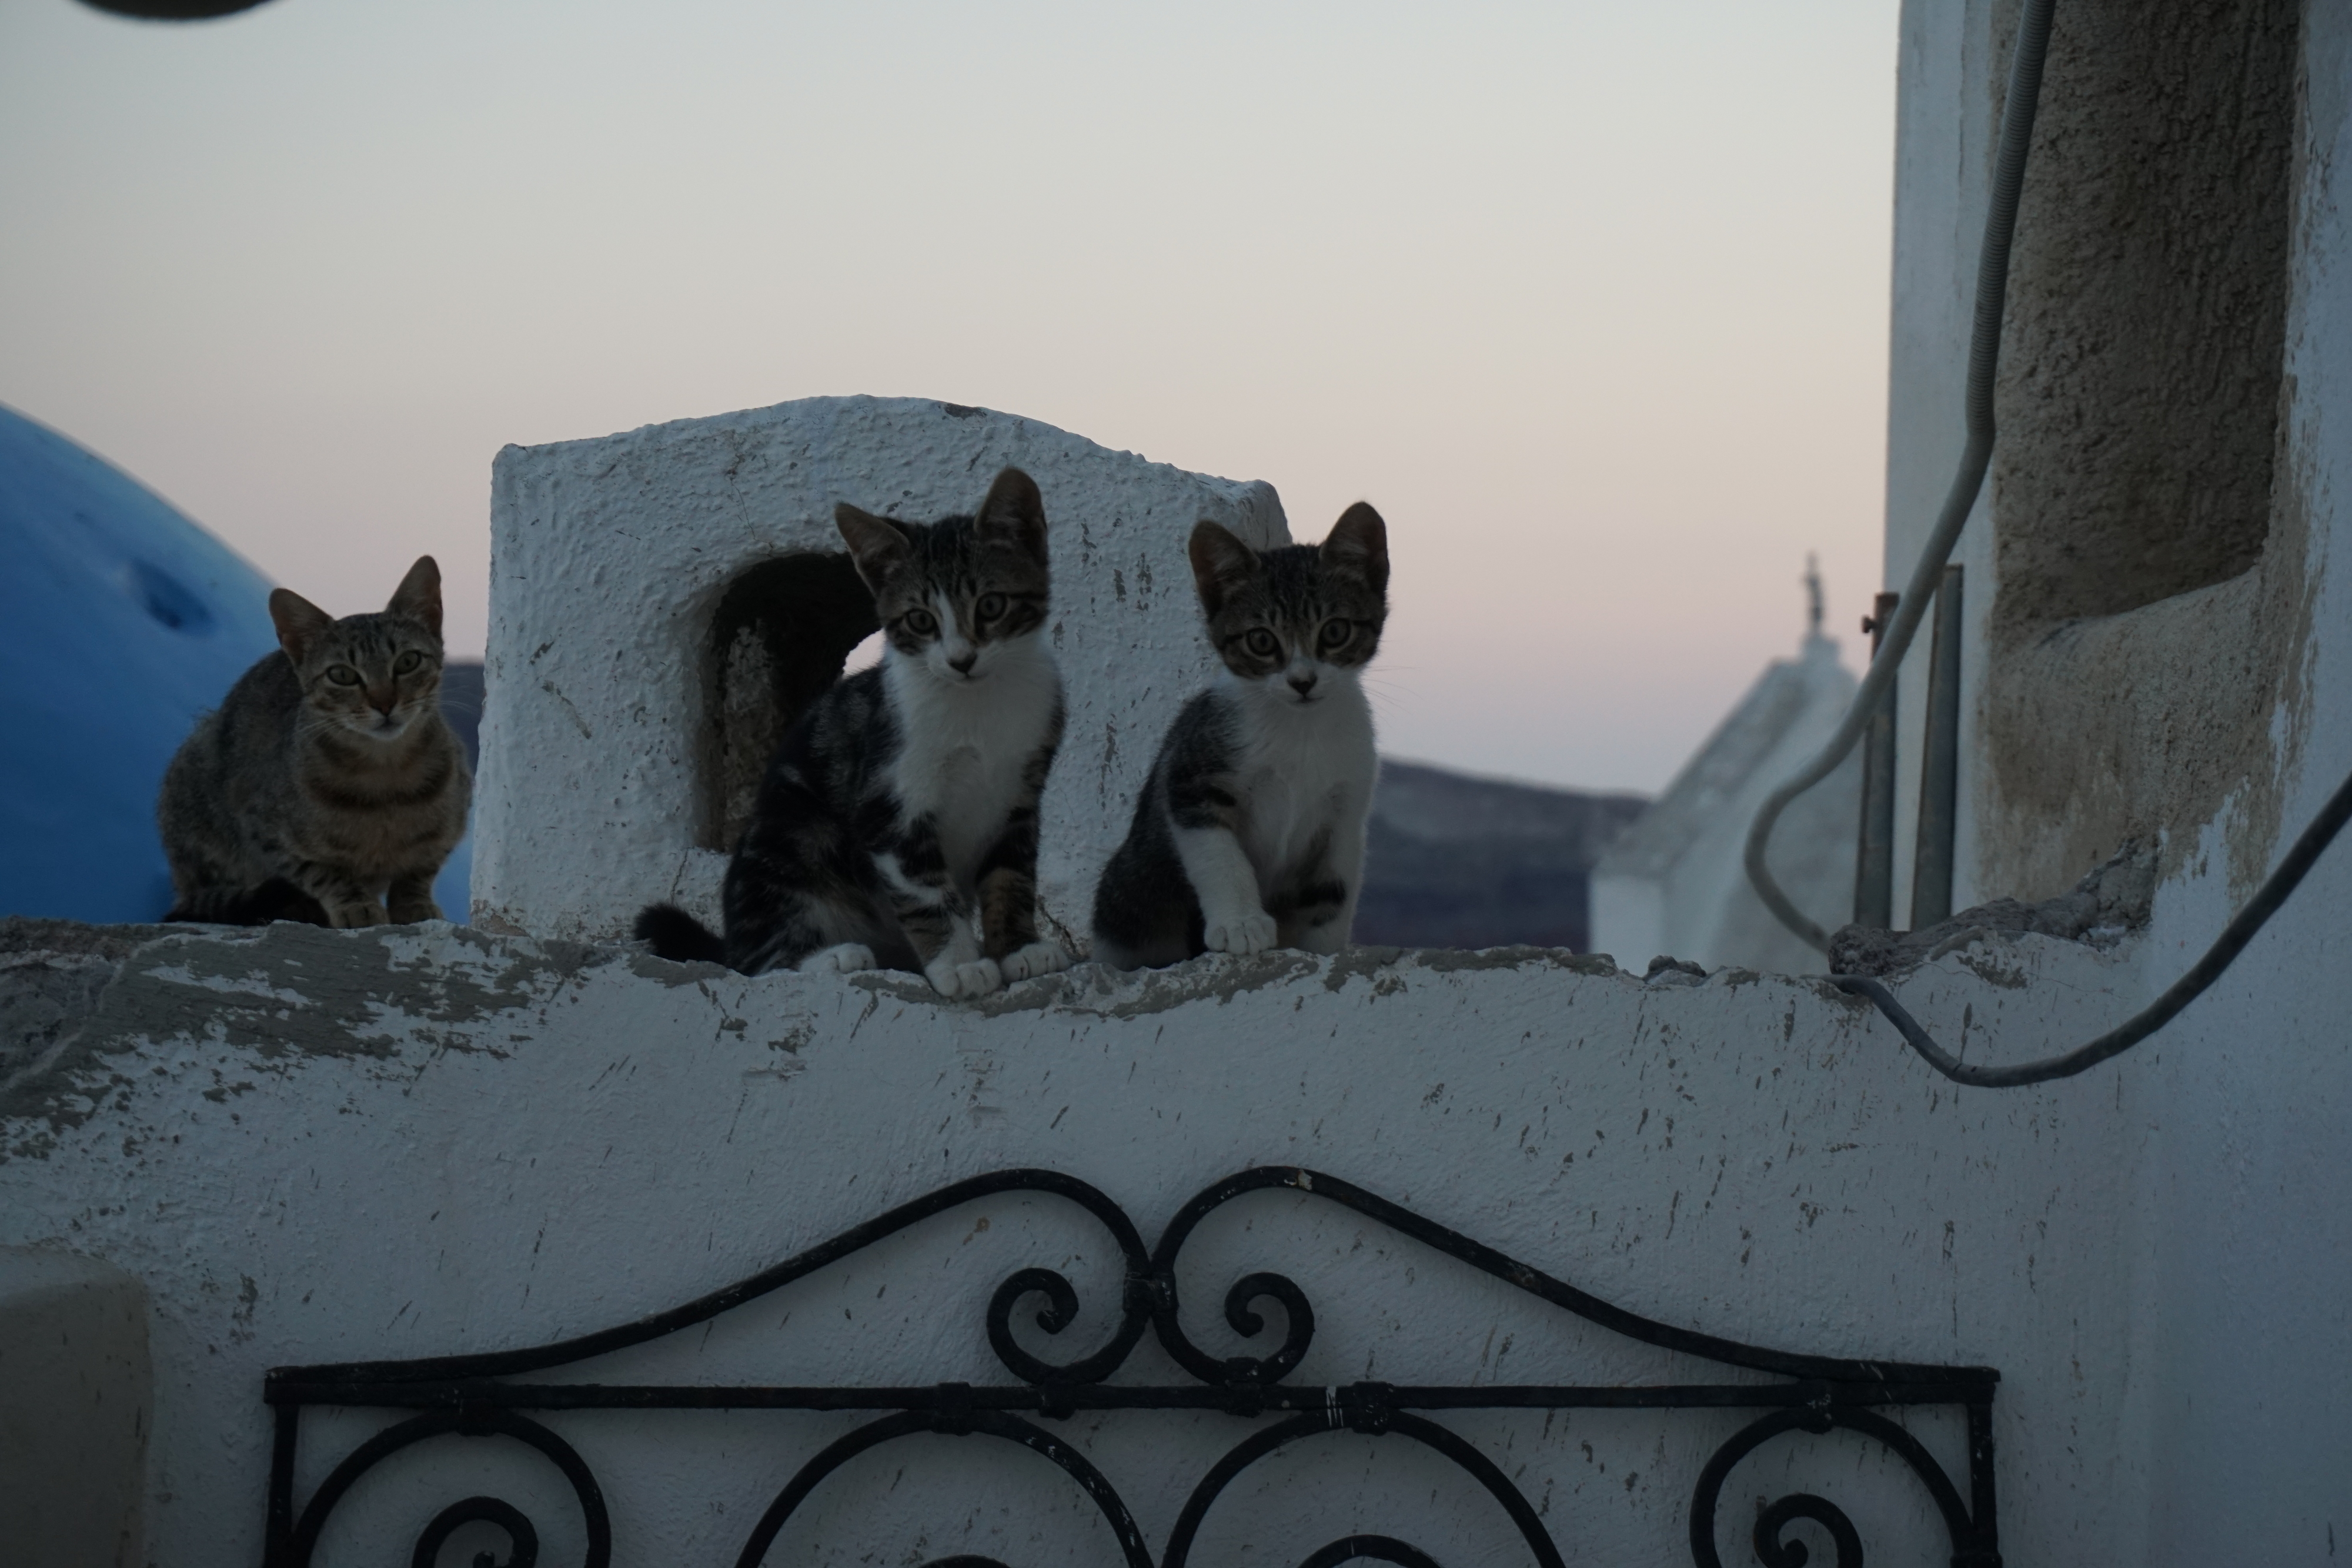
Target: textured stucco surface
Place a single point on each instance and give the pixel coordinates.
(2141, 566)
(2213, 721)
(2139, 394)
(76, 1392)
(316, 1146)
(1676, 881)
(2150, 523)
(609, 556)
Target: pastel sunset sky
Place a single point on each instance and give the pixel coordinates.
(1590, 300)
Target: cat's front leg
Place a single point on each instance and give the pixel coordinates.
(1232, 916)
(1204, 816)
(1008, 924)
(934, 914)
(347, 903)
(1008, 904)
(410, 898)
(341, 898)
(1320, 912)
(1325, 919)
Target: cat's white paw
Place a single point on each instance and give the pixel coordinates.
(1037, 958)
(846, 958)
(956, 980)
(1251, 932)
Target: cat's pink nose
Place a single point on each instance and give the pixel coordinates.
(1303, 683)
(962, 663)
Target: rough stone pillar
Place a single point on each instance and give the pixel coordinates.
(76, 1397)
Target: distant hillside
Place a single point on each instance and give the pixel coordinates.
(1459, 861)
(1455, 861)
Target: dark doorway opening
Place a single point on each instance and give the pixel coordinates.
(778, 639)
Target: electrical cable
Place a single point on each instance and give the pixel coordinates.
(1984, 355)
(2157, 1014)
(1984, 351)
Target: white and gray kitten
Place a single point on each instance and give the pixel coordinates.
(1250, 830)
(897, 825)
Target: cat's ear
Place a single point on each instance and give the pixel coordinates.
(877, 545)
(299, 621)
(419, 597)
(1357, 545)
(1219, 563)
(1016, 512)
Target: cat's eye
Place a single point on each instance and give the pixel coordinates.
(343, 675)
(1335, 632)
(1261, 643)
(991, 606)
(407, 663)
(920, 623)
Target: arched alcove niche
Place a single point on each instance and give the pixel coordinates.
(2148, 546)
(779, 635)
(2145, 339)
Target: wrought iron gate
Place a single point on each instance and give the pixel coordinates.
(488, 1395)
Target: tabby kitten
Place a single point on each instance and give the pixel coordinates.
(898, 825)
(326, 787)
(1250, 830)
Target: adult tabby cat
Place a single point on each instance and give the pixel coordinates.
(326, 787)
(1250, 830)
(898, 825)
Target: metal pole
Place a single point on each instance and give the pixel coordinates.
(1939, 764)
(1874, 859)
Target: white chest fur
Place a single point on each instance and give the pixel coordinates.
(1306, 774)
(964, 746)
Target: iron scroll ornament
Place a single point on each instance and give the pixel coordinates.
(487, 1395)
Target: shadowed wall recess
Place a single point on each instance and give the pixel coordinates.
(2140, 525)
(779, 637)
(2139, 393)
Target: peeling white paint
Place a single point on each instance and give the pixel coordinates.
(536, 1139)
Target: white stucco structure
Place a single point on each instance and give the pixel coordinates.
(609, 556)
(2175, 394)
(309, 1145)
(317, 1145)
(77, 1401)
(1674, 883)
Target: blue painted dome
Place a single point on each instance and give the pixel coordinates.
(121, 621)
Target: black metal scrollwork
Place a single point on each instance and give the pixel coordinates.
(522, 1541)
(483, 1395)
(1379, 1548)
(470, 1421)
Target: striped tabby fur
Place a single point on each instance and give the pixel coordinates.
(327, 787)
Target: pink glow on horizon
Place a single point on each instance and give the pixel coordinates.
(1590, 301)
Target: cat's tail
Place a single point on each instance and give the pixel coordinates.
(679, 937)
(277, 899)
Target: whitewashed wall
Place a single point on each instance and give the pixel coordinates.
(2243, 1401)
(1676, 881)
(314, 1146)
(2237, 1372)
(317, 1145)
(608, 557)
